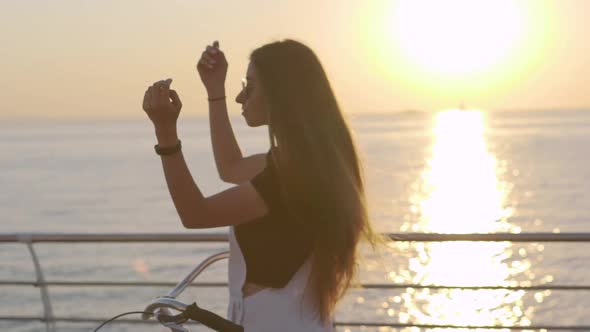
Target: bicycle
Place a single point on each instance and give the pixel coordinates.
(158, 308)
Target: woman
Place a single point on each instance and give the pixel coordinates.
(298, 211)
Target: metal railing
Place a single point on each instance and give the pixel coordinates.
(48, 318)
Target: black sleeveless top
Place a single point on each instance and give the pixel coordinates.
(274, 246)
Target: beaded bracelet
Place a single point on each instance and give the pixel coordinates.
(164, 151)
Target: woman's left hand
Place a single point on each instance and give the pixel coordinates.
(162, 105)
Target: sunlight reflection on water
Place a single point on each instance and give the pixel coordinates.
(460, 191)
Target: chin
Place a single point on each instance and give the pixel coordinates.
(253, 123)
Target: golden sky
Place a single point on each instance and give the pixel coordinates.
(94, 59)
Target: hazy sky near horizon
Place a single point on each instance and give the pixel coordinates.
(94, 59)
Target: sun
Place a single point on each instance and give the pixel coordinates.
(457, 36)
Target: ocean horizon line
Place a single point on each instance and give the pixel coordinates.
(235, 115)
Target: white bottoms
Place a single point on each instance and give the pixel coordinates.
(270, 309)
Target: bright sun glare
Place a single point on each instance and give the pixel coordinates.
(457, 36)
(461, 191)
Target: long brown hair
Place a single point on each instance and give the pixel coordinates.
(319, 169)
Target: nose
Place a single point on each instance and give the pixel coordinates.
(240, 97)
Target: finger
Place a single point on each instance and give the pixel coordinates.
(162, 83)
(146, 97)
(160, 86)
(164, 91)
(205, 63)
(216, 44)
(157, 85)
(153, 96)
(208, 57)
(148, 101)
(211, 50)
(202, 62)
(219, 56)
(175, 99)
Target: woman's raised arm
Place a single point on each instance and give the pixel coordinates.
(230, 207)
(236, 205)
(212, 68)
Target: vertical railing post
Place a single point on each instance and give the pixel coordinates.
(47, 312)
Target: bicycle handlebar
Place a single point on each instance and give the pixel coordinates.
(193, 312)
(163, 302)
(212, 320)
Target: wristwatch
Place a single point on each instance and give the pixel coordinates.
(164, 151)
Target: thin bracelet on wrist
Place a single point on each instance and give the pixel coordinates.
(216, 98)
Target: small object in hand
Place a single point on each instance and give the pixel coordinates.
(164, 151)
(164, 83)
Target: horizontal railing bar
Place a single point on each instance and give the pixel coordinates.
(370, 324)
(514, 288)
(88, 320)
(109, 283)
(112, 237)
(223, 284)
(487, 327)
(492, 237)
(223, 237)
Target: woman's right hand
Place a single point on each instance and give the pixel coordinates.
(212, 68)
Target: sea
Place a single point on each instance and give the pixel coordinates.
(454, 171)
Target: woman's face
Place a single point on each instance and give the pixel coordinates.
(252, 100)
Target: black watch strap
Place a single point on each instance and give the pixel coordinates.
(164, 151)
